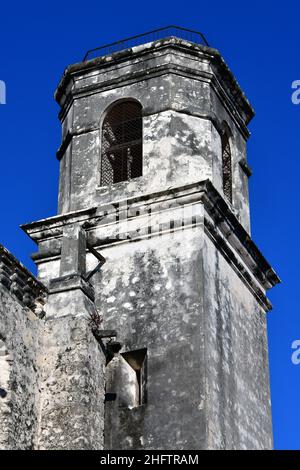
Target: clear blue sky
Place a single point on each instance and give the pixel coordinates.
(260, 42)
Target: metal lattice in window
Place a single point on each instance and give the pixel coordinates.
(227, 167)
(122, 147)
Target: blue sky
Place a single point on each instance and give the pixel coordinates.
(259, 41)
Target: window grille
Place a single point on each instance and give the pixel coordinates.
(121, 155)
(227, 167)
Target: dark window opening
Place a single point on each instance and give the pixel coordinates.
(122, 148)
(227, 167)
(138, 362)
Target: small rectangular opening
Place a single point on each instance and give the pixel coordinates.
(138, 362)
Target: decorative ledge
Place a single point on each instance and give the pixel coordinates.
(217, 214)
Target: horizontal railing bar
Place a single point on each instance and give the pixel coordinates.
(138, 36)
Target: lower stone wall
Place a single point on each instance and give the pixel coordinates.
(18, 373)
(72, 386)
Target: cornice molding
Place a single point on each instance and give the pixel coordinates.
(219, 222)
(66, 86)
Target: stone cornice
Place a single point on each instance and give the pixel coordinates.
(54, 225)
(220, 70)
(21, 283)
(219, 221)
(158, 72)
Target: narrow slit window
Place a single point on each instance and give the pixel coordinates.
(227, 167)
(137, 360)
(126, 379)
(122, 148)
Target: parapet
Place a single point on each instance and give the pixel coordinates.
(21, 283)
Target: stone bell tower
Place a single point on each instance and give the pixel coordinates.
(152, 242)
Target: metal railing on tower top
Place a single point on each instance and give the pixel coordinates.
(156, 34)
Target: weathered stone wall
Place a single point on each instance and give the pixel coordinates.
(236, 359)
(21, 307)
(54, 395)
(205, 334)
(19, 329)
(51, 366)
(150, 292)
(72, 386)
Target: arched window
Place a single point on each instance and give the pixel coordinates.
(122, 151)
(226, 166)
